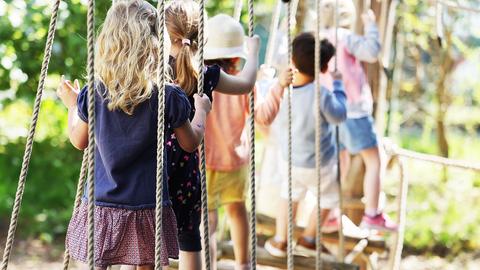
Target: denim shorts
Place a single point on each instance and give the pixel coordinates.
(358, 134)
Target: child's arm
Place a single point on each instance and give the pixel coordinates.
(267, 110)
(190, 135)
(77, 128)
(244, 81)
(334, 106)
(365, 48)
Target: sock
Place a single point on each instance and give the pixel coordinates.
(309, 239)
(279, 239)
(371, 212)
(245, 266)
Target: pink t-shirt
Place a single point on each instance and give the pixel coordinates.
(226, 142)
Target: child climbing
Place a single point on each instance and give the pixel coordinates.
(226, 146)
(126, 102)
(304, 177)
(182, 19)
(357, 133)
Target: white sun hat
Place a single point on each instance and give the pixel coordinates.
(225, 38)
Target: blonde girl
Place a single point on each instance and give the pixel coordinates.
(125, 127)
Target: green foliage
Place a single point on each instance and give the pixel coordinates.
(53, 173)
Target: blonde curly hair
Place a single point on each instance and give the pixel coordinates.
(127, 50)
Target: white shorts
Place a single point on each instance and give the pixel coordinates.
(305, 180)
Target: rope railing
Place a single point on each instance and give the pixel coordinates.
(394, 150)
(453, 5)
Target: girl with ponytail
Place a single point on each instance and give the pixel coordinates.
(182, 21)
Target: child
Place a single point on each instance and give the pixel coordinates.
(226, 146)
(126, 105)
(357, 133)
(182, 18)
(304, 177)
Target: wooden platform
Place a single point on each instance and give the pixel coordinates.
(266, 226)
(301, 263)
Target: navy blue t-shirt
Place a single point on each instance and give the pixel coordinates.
(126, 147)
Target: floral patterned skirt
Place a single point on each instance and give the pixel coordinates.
(122, 237)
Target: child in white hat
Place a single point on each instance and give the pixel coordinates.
(226, 145)
(357, 133)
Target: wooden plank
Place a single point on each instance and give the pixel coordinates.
(301, 263)
(266, 226)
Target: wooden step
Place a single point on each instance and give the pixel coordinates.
(266, 226)
(301, 263)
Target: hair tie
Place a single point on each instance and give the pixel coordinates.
(186, 41)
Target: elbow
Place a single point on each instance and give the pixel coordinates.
(340, 116)
(79, 144)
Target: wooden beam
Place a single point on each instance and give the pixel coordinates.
(301, 263)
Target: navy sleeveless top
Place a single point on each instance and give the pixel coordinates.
(126, 147)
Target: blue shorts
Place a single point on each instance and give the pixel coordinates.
(358, 134)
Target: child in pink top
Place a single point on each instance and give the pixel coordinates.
(357, 133)
(226, 145)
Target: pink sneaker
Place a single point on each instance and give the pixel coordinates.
(380, 222)
(330, 225)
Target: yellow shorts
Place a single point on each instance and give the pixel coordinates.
(226, 187)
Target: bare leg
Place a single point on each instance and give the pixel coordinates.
(344, 165)
(282, 220)
(190, 260)
(128, 267)
(311, 229)
(372, 182)
(239, 230)
(149, 267)
(212, 223)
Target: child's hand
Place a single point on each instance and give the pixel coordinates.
(286, 77)
(336, 75)
(368, 17)
(202, 103)
(253, 44)
(68, 92)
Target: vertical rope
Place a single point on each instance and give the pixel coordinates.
(203, 169)
(318, 136)
(91, 133)
(78, 200)
(251, 118)
(273, 33)
(341, 251)
(29, 144)
(237, 11)
(290, 259)
(160, 136)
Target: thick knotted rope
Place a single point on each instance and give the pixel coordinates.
(91, 133)
(289, 169)
(318, 136)
(78, 200)
(203, 169)
(341, 237)
(253, 189)
(160, 136)
(29, 144)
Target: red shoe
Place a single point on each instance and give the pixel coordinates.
(380, 222)
(308, 249)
